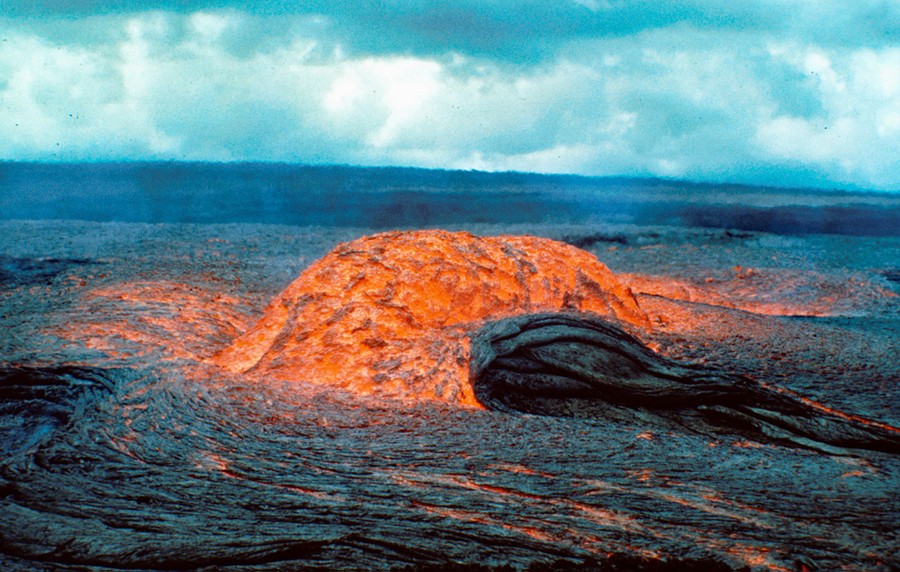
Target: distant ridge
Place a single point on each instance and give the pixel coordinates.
(407, 197)
(460, 174)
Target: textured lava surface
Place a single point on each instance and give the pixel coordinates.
(391, 314)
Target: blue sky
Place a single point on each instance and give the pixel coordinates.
(768, 92)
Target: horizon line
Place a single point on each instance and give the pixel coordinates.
(646, 179)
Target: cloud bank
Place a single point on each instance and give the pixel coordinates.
(782, 93)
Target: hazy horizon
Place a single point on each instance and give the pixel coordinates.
(654, 179)
(404, 197)
(648, 179)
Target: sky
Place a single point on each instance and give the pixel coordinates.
(772, 92)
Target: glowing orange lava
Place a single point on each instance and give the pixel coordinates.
(391, 314)
(134, 318)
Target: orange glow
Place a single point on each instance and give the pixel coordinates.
(185, 321)
(773, 292)
(703, 500)
(755, 556)
(391, 314)
(831, 411)
(520, 469)
(478, 518)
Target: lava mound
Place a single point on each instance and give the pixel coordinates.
(392, 314)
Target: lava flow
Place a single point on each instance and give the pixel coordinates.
(148, 424)
(517, 323)
(391, 314)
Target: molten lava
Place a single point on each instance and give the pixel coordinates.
(392, 314)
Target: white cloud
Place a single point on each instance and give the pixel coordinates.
(856, 136)
(556, 159)
(380, 98)
(670, 102)
(210, 26)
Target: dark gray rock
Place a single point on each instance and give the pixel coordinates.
(579, 364)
